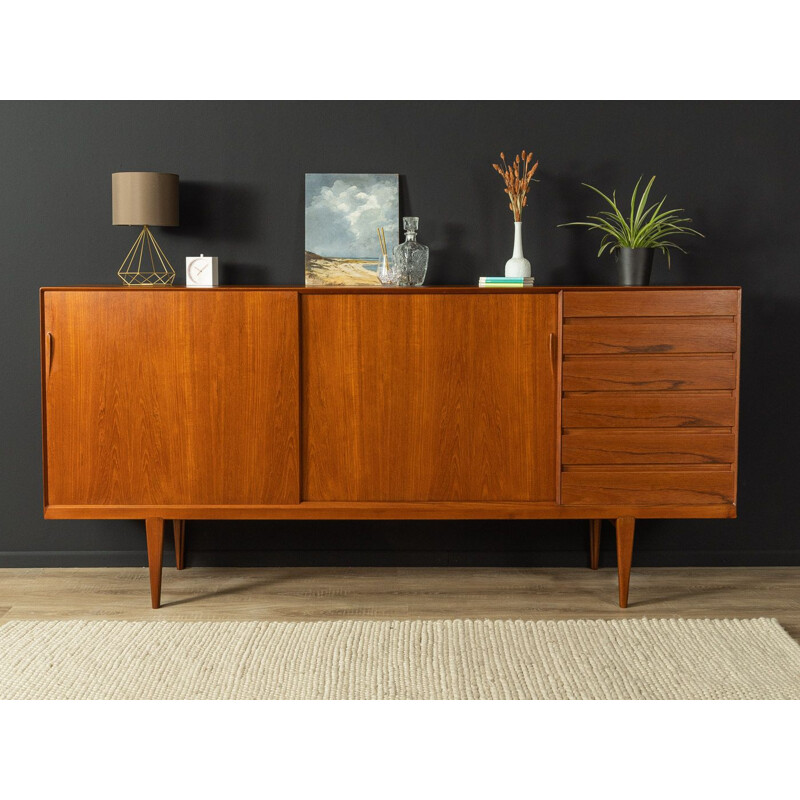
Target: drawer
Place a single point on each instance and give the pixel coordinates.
(649, 335)
(648, 410)
(647, 447)
(647, 487)
(652, 303)
(604, 373)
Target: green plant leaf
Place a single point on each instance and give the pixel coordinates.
(608, 222)
(642, 203)
(633, 199)
(607, 242)
(612, 203)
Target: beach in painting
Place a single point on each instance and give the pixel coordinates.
(324, 271)
(343, 214)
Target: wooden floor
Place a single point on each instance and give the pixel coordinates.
(401, 593)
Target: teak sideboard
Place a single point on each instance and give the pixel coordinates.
(431, 403)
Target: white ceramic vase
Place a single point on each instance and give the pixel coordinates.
(518, 266)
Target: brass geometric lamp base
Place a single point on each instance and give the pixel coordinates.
(146, 264)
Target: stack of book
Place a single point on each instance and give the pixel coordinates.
(501, 281)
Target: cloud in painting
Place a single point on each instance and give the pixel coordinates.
(343, 213)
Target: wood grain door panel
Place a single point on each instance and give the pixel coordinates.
(648, 373)
(649, 410)
(172, 397)
(649, 335)
(429, 397)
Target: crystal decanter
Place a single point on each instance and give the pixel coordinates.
(410, 257)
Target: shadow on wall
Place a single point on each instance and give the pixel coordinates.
(389, 543)
(770, 395)
(224, 213)
(453, 258)
(219, 211)
(232, 273)
(574, 202)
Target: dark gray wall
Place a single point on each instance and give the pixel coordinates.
(734, 166)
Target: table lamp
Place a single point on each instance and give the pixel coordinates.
(145, 198)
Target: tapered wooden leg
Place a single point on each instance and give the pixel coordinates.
(625, 526)
(155, 551)
(179, 529)
(594, 542)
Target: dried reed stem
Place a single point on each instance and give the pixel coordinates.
(382, 240)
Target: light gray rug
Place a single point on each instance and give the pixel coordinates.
(357, 659)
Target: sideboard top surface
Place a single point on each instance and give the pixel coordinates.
(385, 289)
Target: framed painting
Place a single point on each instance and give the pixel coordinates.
(343, 214)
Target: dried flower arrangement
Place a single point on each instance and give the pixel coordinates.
(517, 176)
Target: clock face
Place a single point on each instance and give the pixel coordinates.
(198, 269)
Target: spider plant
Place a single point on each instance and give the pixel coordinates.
(647, 226)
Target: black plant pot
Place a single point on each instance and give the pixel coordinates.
(635, 264)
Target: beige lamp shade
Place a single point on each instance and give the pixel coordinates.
(144, 198)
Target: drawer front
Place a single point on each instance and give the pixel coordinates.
(648, 373)
(647, 447)
(648, 410)
(649, 335)
(649, 303)
(647, 487)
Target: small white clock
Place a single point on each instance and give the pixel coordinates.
(202, 271)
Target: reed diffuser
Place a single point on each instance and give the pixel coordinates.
(517, 177)
(384, 271)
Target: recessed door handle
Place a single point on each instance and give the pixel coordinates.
(553, 352)
(48, 353)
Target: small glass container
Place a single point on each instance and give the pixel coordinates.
(385, 275)
(410, 257)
